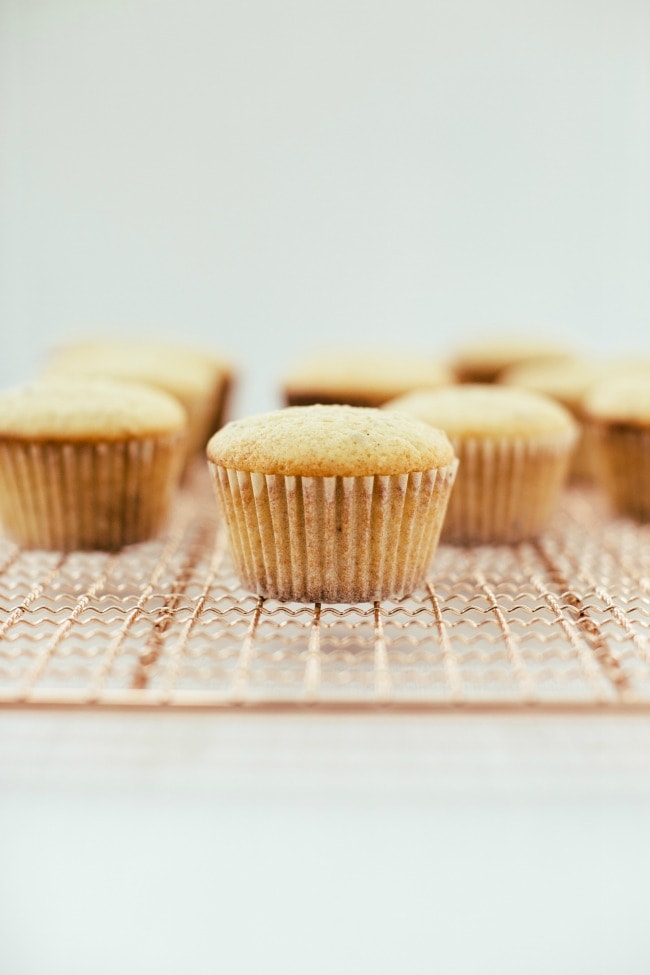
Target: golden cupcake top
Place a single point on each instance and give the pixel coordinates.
(87, 410)
(330, 441)
(479, 410)
(568, 381)
(177, 369)
(485, 359)
(623, 399)
(377, 374)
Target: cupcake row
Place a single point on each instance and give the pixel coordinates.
(326, 501)
(91, 453)
(322, 501)
(362, 378)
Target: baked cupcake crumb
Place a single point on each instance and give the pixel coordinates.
(484, 360)
(619, 412)
(361, 377)
(87, 464)
(200, 382)
(513, 447)
(332, 503)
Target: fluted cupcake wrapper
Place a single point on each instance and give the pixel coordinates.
(102, 495)
(205, 415)
(333, 539)
(582, 463)
(623, 467)
(506, 490)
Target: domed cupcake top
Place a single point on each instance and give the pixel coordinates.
(567, 381)
(486, 411)
(624, 399)
(79, 410)
(483, 360)
(380, 375)
(327, 441)
(178, 370)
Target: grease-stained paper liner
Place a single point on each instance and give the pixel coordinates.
(623, 467)
(221, 405)
(205, 415)
(103, 495)
(333, 539)
(583, 464)
(506, 489)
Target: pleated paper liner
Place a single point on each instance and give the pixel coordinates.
(104, 495)
(333, 539)
(206, 414)
(583, 461)
(506, 489)
(623, 466)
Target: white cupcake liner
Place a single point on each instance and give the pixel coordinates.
(103, 495)
(506, 489)
(623, 467)
(333, 539)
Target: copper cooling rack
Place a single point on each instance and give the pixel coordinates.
(562, 623)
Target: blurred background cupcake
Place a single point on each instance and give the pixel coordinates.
(484, 360)
(619, 411)
(200, 382)
(567, 381)
(88, 464)
(514, 448)
(355, 377)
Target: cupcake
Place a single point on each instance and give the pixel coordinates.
(87, 465)
(483, 361)
(199, 382)
(514, 448)
(619, 411)
(568, 382)
(361, 378)
(332, 503)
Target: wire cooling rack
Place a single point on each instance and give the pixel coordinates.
(560, 623)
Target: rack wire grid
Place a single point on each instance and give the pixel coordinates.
(561, 623)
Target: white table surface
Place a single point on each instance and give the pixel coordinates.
(237, 843)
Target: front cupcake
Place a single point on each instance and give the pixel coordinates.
(514, 448)
(87, 464)
(332, 503)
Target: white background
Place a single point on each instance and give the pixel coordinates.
(303, 845)
(268, 176)
(262, 178)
